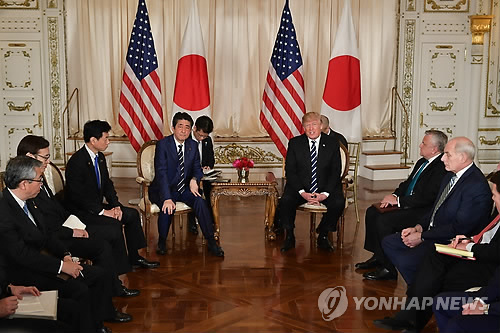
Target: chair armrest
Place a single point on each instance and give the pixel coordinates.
(142, 180)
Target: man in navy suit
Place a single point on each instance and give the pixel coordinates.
(312, 169)
(177, 175)
(482, 315)
(414, 197)
(88, 183)
(325, 128)
(203, 126)
(462, 206)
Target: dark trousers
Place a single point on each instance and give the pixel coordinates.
(335, 203)
(201, 211)
(207, 188)
(99, 252)
(134, 236)
(405, 259)
(439, 273)
(379, 225)
(451, 320)
(91, 294)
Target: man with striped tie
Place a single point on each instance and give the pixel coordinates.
(177, 176)
(312, 170)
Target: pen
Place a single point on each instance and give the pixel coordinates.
(81, 274)
(462, 239)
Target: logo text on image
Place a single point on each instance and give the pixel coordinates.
(332, 303)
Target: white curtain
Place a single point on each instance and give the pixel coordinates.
(239, 36)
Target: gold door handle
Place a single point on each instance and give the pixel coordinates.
(422, 124)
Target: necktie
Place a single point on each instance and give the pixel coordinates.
(96, 168)
(477, 239)
(180, 156)
(314, 166)
(443, 196)
(25, 208)
(409, 190)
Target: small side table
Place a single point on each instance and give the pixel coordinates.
(246, 190)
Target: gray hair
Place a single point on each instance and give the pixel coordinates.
(20, 168)
(439, 139)
(465, 146)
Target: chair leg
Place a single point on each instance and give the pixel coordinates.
(356, 201)
(340, 231)
(172, 226)
(313, 223)
(146, 220)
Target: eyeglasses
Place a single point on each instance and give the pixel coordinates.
(35, 180)
(44, 157)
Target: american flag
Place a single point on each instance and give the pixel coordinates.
(141, 115)
(283, 101)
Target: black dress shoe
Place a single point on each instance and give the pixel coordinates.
(324, 243)
(142, 262)
(120, 317)
(393, 324)
(289, 242)
(215, 249)
(104, 329)
(161, 249)
(380, 274)
(125, 292)
(370, 263)
(192, 227)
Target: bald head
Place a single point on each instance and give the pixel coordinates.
(325, 124)
(458, 154)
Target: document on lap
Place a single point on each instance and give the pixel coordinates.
(38, 307)
(445, 249)
(74, 222)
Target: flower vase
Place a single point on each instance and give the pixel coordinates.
(243, 175)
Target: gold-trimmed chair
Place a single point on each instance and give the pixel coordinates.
(55, 181)
(352, 176)
(146, 174)
(313, 210)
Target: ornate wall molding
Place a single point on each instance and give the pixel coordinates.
(227, 154)
(446, 6)
(492, 105)
(20, 24)
(439, 27)
(410, 5)
(18, 4)
(55, 84)
(408, 76)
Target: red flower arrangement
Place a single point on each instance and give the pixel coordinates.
(243, 163)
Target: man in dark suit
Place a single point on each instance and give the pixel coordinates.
(442, 273)
(79, 241)
(325, 128)
(88, 183)
(414, 198)
(36, 257)
(312, 169)
(203, 126)
(462, 207)
(177, 175)
(480, 316)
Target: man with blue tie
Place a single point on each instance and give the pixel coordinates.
(87, 185)
(312, 169)
(178, 173)
(412, 199)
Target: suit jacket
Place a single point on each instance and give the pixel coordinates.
(427, 185)
(22, 242)
(167, 168)
(298, 165)
(54, 213)
(207, 153)
(466, 209)
(82, 193)
(339, 137)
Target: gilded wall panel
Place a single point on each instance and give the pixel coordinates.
(446, 5)
(442, 71)
(439, 27)
(493, 81)
(20, 24)
(17, 69)
(18, 4)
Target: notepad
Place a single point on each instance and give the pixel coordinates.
(38, 307)
(445, 249)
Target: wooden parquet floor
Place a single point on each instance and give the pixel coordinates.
(255, 288)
